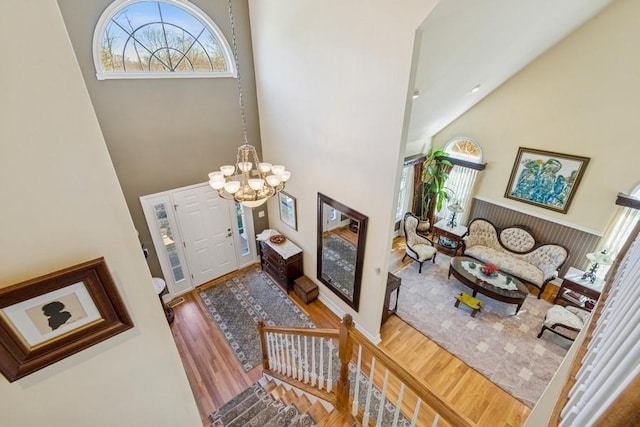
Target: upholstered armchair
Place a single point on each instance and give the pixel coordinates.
(418, 248)
(564, 321)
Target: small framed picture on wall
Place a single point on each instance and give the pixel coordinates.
(287, 206)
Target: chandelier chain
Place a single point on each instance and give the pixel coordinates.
(234, 43)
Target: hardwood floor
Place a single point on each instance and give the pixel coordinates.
(216, 376)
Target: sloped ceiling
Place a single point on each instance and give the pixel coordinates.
(466, 43)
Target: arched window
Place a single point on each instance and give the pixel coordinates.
(159, 39)
(462, 177)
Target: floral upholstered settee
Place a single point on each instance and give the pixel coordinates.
(515, 251)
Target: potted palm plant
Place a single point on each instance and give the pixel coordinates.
(435, 171)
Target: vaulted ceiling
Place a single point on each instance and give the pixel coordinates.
(470, 43)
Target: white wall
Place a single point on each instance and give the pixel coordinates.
(332, 79)
(61, 205)
(580, 97)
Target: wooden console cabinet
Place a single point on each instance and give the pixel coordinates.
(283, 262)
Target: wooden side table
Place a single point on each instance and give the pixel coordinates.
(393, 285)
(453, 234)
(577, 292)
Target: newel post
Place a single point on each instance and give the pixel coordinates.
(345, 349)
(263, 344)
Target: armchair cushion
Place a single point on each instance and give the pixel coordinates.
(418, 247)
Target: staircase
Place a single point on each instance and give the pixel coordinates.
(273, 405)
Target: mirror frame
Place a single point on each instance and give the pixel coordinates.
(362, 237)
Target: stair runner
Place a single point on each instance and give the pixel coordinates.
(256, 407)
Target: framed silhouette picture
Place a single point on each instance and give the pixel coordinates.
(545, 179)
(46, 319)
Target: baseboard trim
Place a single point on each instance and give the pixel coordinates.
(375, 339)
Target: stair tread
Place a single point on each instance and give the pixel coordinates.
(337, 419)
(232, 404)
(258, 406)
(268, 412)
(317, 411)
(277, 407)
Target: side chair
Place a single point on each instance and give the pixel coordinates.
(418, 248)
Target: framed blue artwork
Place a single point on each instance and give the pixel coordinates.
(545, 179)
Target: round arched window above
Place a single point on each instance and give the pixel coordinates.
(159, 39)
(464, 148)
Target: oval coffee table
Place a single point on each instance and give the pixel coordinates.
(479, 286)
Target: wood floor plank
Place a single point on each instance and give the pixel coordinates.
(216, 376)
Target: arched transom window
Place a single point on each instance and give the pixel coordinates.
(464, 148)
(158, 39)
(462, 178)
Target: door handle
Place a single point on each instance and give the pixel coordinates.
(229, 232)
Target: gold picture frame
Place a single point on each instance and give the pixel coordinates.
(46, 319)
(545, 179)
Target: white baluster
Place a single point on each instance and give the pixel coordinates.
(354, 407)
(306, 360)
(330, 366)
(269, 350)
(415, 413)
(299, 360)
(382, 398)
(314, 374)
(293, 356)
(287, 350)
(321, 379)
(435, 420)
(396, 416)
(365, 419)
(276, 362)
(281, 364)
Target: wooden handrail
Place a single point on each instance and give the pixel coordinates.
(422, 391)
(346, 337)
(310, 332)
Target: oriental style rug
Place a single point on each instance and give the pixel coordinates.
(500, 345)
(338, 263)
(237, 304)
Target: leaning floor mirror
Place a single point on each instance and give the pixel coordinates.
(341, 240)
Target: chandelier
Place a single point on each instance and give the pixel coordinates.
(248, 182)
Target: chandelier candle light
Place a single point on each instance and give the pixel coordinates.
(249, 182)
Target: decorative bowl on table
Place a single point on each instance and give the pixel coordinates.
(277, 239)
(489, 270)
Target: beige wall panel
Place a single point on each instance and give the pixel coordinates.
(62, 205)
(167, 133)
(332, 80)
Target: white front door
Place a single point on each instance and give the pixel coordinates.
(207, 233)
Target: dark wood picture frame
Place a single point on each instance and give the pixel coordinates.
(357, 224)
(545, 179)
(46, 319)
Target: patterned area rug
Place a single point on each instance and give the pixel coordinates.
(338, 263)
(498, 344)
(237, 304)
